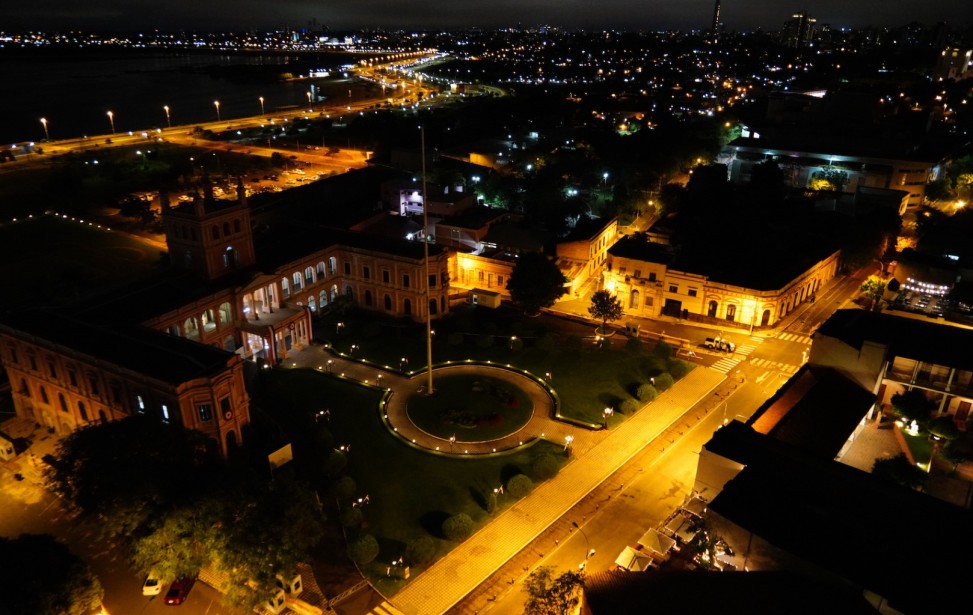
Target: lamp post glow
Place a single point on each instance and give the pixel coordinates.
(608, 412)
(111, 120)
(168, 118)
(309, 100)
(262, 106)
(47, 135)
(216, 103)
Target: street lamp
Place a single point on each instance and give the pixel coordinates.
(216, 103)
(47, 135)
(608, 412)
(330, 365)
(568, 439)
(111, 120)
(309, 108)
(168, 118)
(604, 178)
(589, 552)
(262, 105)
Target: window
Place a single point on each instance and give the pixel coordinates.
(651, 276)
(308, 275)
(633, 300)
(649, 301)
(24, 389)
(226, 229)
(731, 312)
(205, 412)
(333, 265)
(285, 287)
(347, 268)
(405, 280)
(13, 356)
(72, 377)
(388, 303)
(673, 288)
(116, 394)
(82, 411)
(368, 298)
(93, 385)
(52, 368)
(225, 313)
(226, 409)
(692, 292)
(33, 362)
(500, 281)
(165, 413)
(386, 276)
(320, 269)
(141, 402)
(44, 397)
(621, 271)
(297, 281)
(63, 402)
(638, 273)
(215, 232)
(432, 281)
(366, 272)
(479, 275)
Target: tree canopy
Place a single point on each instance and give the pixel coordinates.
(536, 282)
(605, 306)
(42, 577)
(182, 507)
(551, 595)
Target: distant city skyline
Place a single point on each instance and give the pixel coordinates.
(215, 15)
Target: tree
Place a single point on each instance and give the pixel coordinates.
(420, 551)
(913, 405)
(629, 406)
(546, 466)
(43, 577)
(605, 306)
(550, 595)
(536, 282)
(458, 527)
(874, 291)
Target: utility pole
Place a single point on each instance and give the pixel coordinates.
(425, 252)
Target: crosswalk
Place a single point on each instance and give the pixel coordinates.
(727, 363)
(786, 368)
(794, 337)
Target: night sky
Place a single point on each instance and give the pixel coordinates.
(214, 15)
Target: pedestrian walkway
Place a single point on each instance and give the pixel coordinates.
(794, 337)
(787, 368)
(447, 581)
(726, 364)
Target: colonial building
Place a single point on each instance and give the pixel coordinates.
(582, 255)
(650, 281)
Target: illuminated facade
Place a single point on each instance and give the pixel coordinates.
(641, 275)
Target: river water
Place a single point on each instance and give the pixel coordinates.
(75, 90)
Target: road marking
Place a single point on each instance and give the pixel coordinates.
(794, 337)
(787, 368)
(385, 609)
(725, 364)
(762, 376)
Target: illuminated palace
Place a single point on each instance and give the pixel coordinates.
(174, 345)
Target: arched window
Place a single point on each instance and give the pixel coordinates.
(209, 322)
(388, 303)
(323, 299)
(297, 280)
(173, 330)
(433, 307)
(24, 389)
(334, 292)
(765, 319)
(83, 411)
(711, 311)
(44, 397)
(226, 313)
(62, 401)
(633, 300)
(350, 292)
(332, 265)
(312, 304)
(102, 417)
(731, 312)
(215, 231)
(189, 327)
(308, 275)
(407, 307)
(368, 298)
(226, 229)
(321, 270)
(285, 287)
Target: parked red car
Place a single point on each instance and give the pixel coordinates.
(179, 590)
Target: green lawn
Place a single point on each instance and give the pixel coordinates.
(472, 408)
(410, 491)
(919, 446)
(587, 379)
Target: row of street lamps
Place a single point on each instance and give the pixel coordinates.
(168, 112)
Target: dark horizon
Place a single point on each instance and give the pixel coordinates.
(224, 15)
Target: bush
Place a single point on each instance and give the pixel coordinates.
(420, 551)
(335, 463)
(351, 517)
(663, 350)
(519, 486)
(485, 341)
(546, 466)
(363, 550)
(344, 488)
(455, 339)
(629, 406)
(458, 527)
(679, 368)
(664, 381)
(653, 365)
(634, 345)
(646, 392)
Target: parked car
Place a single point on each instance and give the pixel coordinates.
(719, 343)
(152, 585)
(179, 590)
